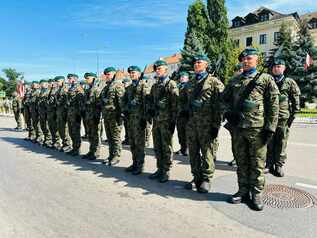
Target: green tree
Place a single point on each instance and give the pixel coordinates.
(12, 76)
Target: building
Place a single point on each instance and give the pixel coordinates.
(261, 28)
(311, 18)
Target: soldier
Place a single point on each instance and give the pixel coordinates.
(85, 87)
(42, 109)
(182, 112)
(134, 109)
(38, 134)
(75, 97)
(203, 124)
(61, 113)
(126, 82)
(27, 112)
(51, 115)
(17, 110)
(289, 104)
(163, 110)
(111, 103)
(251, 101)
(92, 116)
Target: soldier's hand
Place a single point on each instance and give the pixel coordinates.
(267, 136)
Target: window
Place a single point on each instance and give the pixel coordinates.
(264, 17)
(263, 39)
(248, 41)
(277, 36)
(236, 23)
(236, 43)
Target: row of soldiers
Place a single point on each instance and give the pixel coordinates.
(258, 107)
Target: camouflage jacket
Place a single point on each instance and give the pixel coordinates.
(17, 104)
(289, 99)
(34, 100)
(111, 100)
(204, 101)
(51, 100)
(27, 98)
(134, 100)
(42, 101)
(182, 99)
(61, 99)
(75, 99)
(92, 101)
(163, 101)
(260, 108)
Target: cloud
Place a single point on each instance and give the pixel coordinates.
(122, 13)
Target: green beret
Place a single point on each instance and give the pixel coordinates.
(279, 61)
(134, 68)
(35, 82)
(43, 81)
(159, 63)
(86, 75)
(248, 51)
(183, 73)
(70, 75)
(109, 69)
(57, 78)
(50, 80)
(201, 57)
(75, 75)
(238, 67)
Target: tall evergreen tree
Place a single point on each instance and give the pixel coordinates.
(219, 46)
(196, 34)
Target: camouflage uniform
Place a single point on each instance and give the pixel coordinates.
(52, 117)
(75, 96)
(203, 126)
(289, 104)
(17, 110)
(27, 113)
(111, 103)
(134, 107)
(61, 116)
(163, 110)
(38, 134)
(257, 121)
(42, 108)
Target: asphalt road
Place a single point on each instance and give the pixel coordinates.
(45, 193)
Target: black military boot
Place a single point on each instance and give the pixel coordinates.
(138, 170)
(156, 174)
(92, 157)
(192, 184)
(125, 142)
(86, 156)
(131, 168)
(164, 177)
(279, 171)
(239, 197)
(73, 152)
(113, 161)
(204, 187)
(257, 202)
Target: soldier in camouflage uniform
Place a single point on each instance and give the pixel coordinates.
(289, 104)
(163, 110)
(127, 83)
(134, 109)
(17, 110)
(182, 112)
(51, 115)
(203, 124)
(75, 103)
(251, 101)
(111, 103)
(42, 109)
(92, 116)
(61, 113)
(85, 87)
(38, 134)
(27, 112)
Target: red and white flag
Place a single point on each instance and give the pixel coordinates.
(21, 88)
(308, 62)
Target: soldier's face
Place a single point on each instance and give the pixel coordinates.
(250, 61)
(278, 69)
(109, 75)
(90, 80)
(184, 79)
(72, 80)
(60, 83)
(161, 71)
(134, 75)
(44, 85)
(35, 86)
(200, 66)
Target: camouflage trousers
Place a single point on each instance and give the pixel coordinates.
(181, 132)
(62, 128)
(162, 139)
(113, 128)
(93, 128)
(52, 125)
(276, 150)
(74, 126)
(28, 121)
(136, 141)
(44, 128)
(250, 156)
(201, 150)
(38, 134)
(18, 119)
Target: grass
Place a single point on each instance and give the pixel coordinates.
(307, 113)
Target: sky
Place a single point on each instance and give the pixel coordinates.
(43, 39)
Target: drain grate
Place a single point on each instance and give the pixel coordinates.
(281, 196)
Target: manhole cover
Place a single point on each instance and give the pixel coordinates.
(281, 196)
